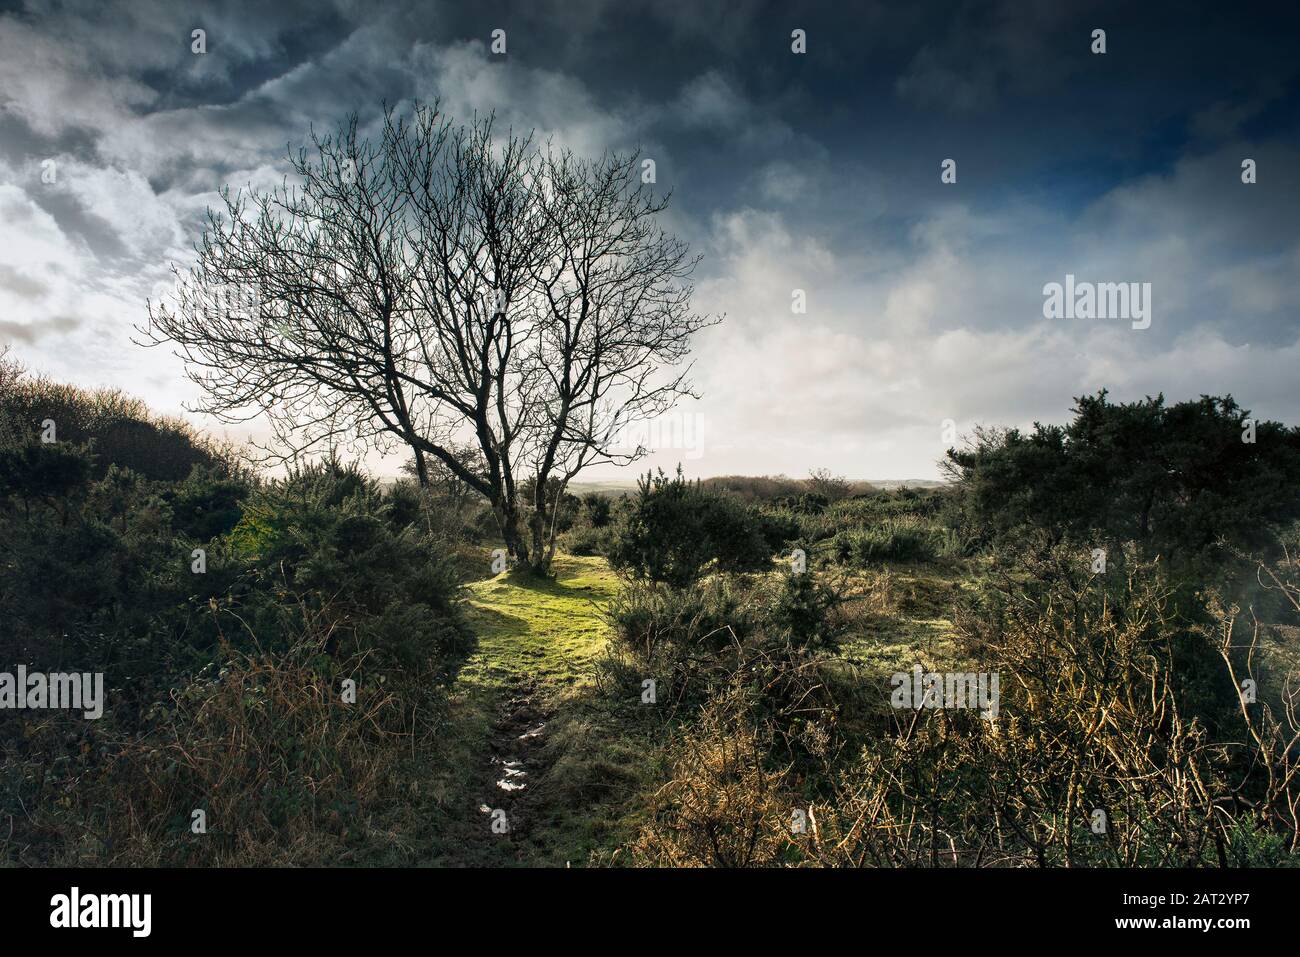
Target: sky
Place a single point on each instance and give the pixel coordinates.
(818, 171)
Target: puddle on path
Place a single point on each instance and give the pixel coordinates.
(513, 778)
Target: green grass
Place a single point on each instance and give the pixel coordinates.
(539, 644)
(910, 622)
(549, 629)
(534, 662)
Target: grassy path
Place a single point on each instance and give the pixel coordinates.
(528, 738)
(531, 736)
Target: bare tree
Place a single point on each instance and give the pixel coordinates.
(437, 286)
(825, 482)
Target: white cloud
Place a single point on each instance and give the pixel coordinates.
(954, 329)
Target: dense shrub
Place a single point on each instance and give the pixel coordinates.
(584, 539)
(802, 612)
(100, 578)
(561, 507)
(809, 503)
(285, 771)
(593, 531)
(223, 687)
(1099, 719)
(328, 536)
(1182, 480)
(902, 525)
(704, 615)
(755, 489)
(35, 472)
(95, 579)
(727, 802)
(206, 504)
(892, 540)
(698, 639)
(674, 529)
(597, 509)
(923, 503)
(124, 432)
(781, 528)
(1101, 715)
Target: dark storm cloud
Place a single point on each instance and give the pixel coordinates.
(1004, 84)
(816, 171)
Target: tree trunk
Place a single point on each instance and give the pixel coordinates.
(541, 556)
(507, 515)
(421, 467)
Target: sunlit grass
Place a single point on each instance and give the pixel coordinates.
(540, 638)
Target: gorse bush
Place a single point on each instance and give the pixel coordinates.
(1182, 481)
(583, 539)
(1099, 718)
(894, 540)
(225, 613)
(698, 638)
(1098, 755)
(37, 473)
(803, 611)
(594, 529)
(224, 688)
(782, 528)
(717, 612)
(328, 536)
(673, 530)
(727, 803)
(649, 619)
(809, 503)
(101, 577)
(96, 579)
(903, 525)
(597, 509)
(207, 504)
(781, 489)
(122, 429)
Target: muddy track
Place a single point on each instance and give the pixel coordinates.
(516, 762)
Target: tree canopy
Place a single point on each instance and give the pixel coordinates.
(443, 288)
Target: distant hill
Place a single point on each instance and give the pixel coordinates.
(905, 483)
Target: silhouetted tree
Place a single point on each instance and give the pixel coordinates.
(438, 285)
